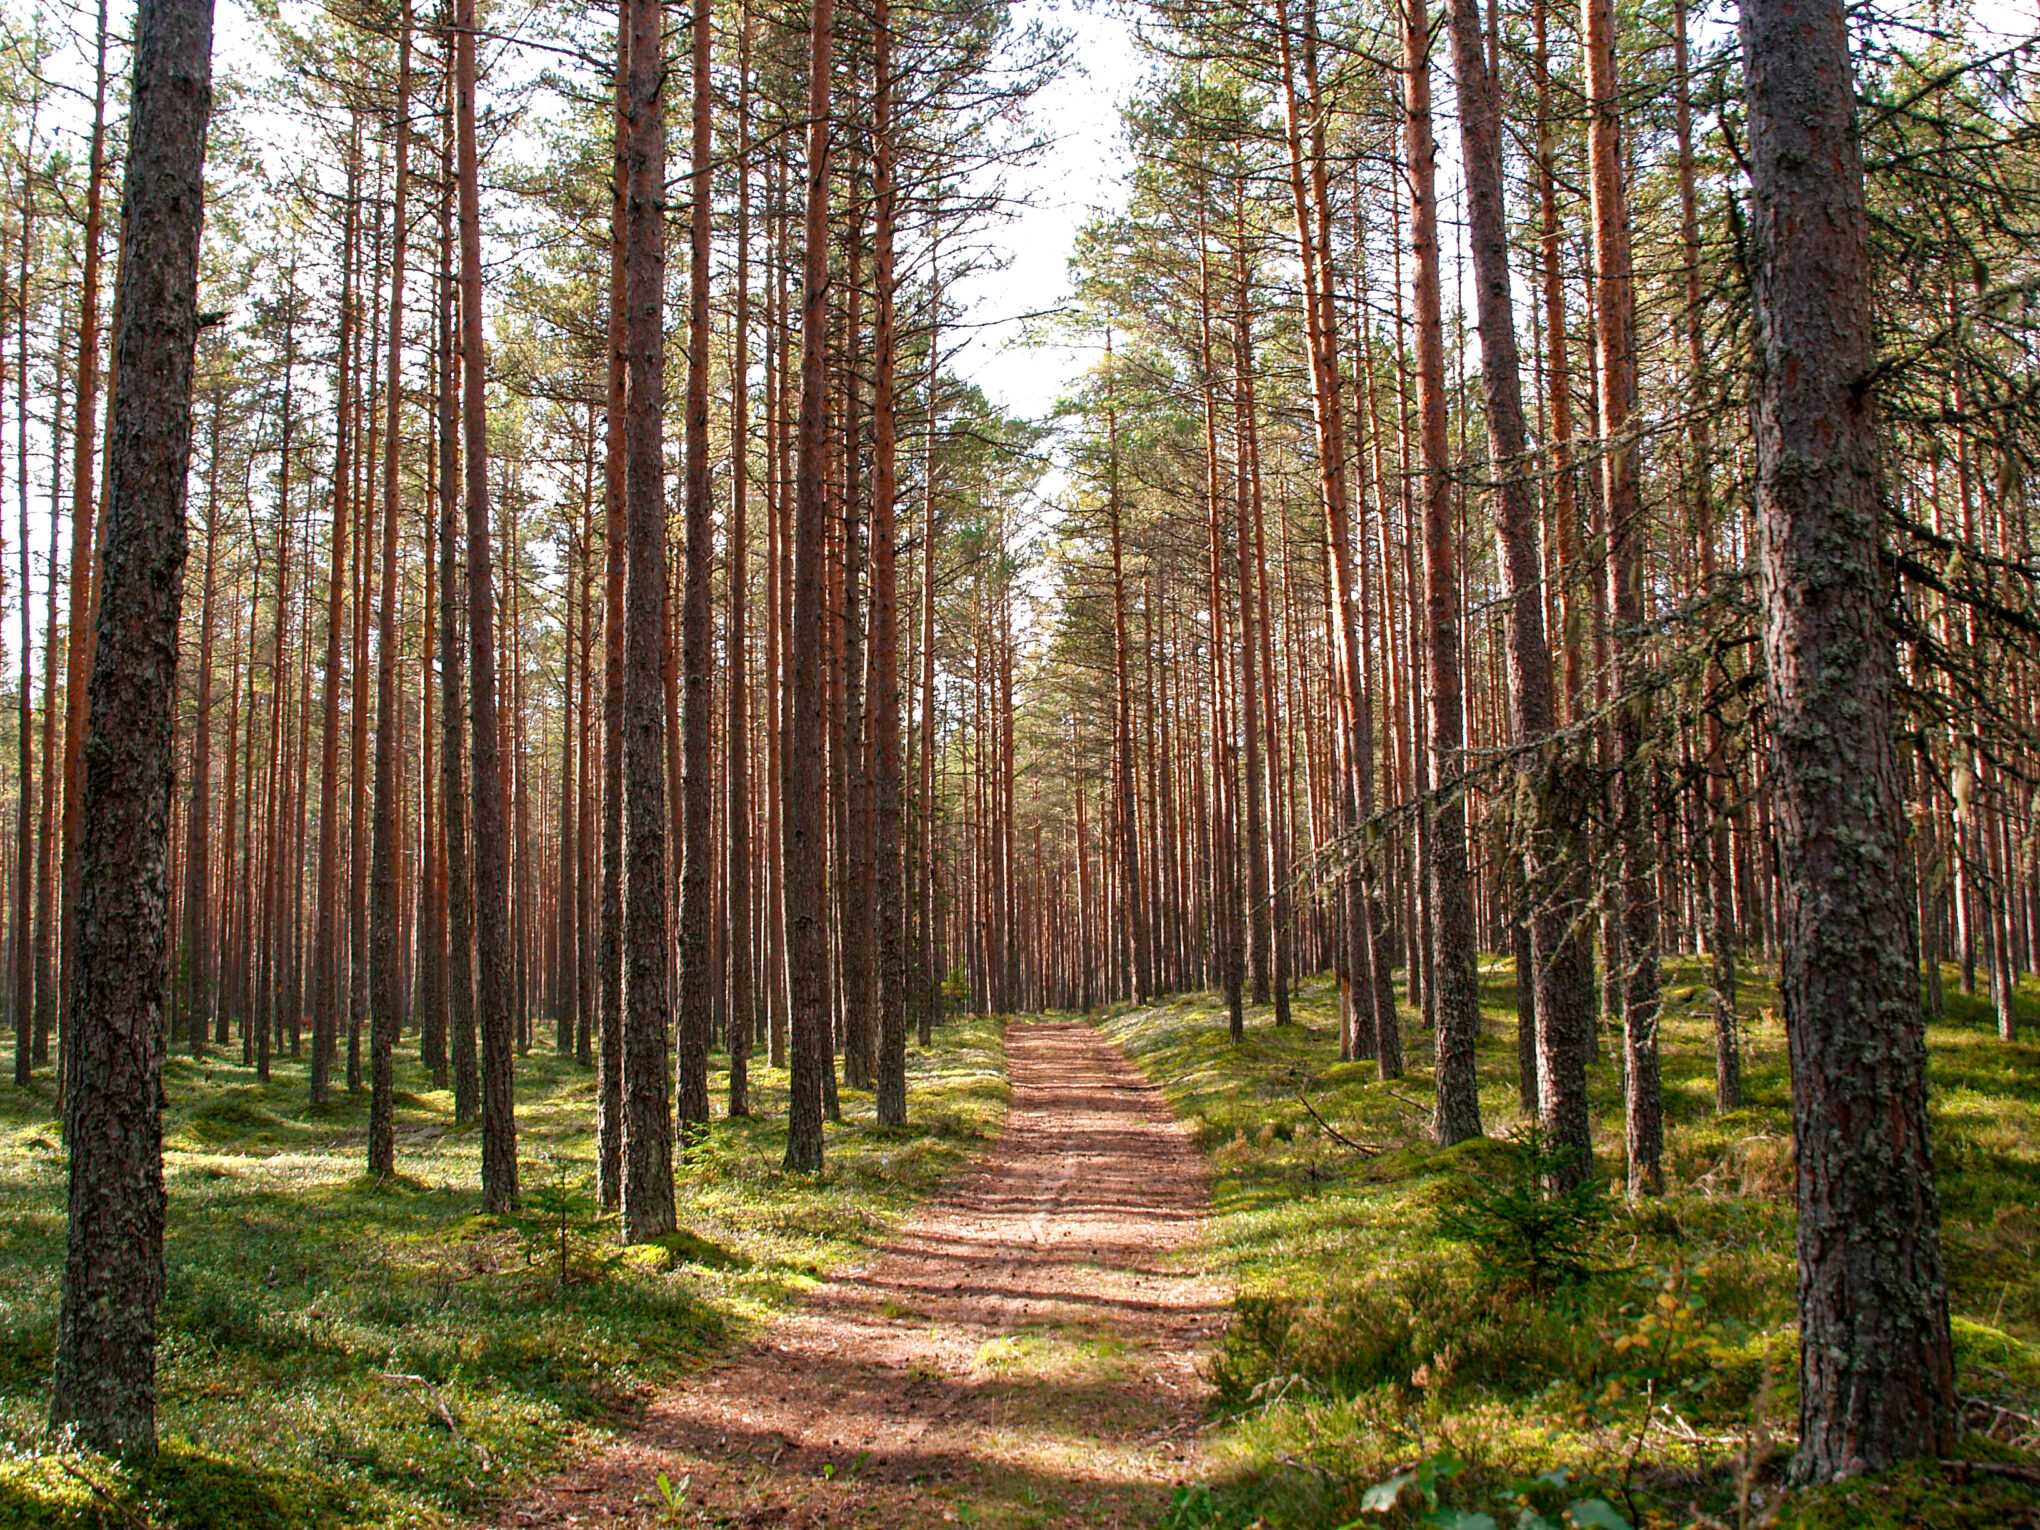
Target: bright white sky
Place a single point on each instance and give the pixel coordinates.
(1077, 177)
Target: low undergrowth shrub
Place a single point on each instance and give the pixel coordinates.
(1443, 1328)
(1527, 1236)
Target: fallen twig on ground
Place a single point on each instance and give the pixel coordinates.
(1961, 1470)
(130, 1516)
(444, 1412)
(1365, 1150)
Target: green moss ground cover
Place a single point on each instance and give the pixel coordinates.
(337, 1352)
(1378, 1324)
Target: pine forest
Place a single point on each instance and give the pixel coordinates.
(1187, 764)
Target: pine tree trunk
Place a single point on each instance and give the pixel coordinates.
(491, 860)
(1134, 933)
(275, 778)
(46, 814)
(326, 951)
(741, 1024)
(385, 966)
(1446, 878)
(105, 1376)
(24, 837)
(931, 939)
(697, 631)
(803, 821)
(647, 1183)
(1876, 1369)
(1559, 981)
(1309, 193)
(609, 1125)
(850, 777)
(197, 963)
(1712, 839)
(1615, 335)
(84, 562)
(890, 1082)
(453, 788)
(566, 922)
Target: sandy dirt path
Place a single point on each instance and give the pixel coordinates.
(1023, 1353)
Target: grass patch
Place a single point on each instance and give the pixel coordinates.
(341, 1352)
(1369, 1333)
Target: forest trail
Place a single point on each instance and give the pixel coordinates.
(1023, 1352)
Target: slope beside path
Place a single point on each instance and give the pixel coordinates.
(1024, 1352)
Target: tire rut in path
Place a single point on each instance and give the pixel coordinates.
(1022, 1352)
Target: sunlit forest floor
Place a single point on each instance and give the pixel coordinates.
(341, 1353)
(1375, 1331)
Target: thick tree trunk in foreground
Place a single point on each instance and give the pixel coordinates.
(1876, 1369)
(647, 1183)
(105, 1384)
(491, 853)
(804, 825)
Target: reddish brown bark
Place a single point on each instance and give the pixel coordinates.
(1447, 881)
(697, 634)
(807, 937)
(491, 854)
(647, 1168)
(384, 936)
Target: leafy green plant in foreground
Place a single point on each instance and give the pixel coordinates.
(1543, 1503)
